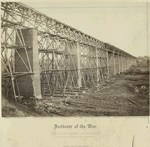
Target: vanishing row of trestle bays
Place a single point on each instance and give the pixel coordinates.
(43, 57)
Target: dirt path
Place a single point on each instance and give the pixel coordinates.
(116, 99)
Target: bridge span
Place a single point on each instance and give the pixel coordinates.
(43, 57)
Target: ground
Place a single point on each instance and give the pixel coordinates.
(122, 95)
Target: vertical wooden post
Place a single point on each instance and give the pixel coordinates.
(13, 39)
(118, 64)
(78, 65)
(121, 62)
(129, 62)
(97, 65)
(114, 64)
(107, 63)
(125, 62)
(53, 64)
(110, 60)
(53, 73)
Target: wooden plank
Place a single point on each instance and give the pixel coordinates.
(79, 65)
(133, 102)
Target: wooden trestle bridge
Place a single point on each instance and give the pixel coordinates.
(41, 56)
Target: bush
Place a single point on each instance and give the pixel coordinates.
(132, 69)
(138, 71)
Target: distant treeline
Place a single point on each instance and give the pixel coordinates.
(143, 60)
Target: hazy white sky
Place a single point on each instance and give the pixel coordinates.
(123, 25)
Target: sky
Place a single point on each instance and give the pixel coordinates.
(123, 25)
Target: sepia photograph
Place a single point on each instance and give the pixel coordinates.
(74, 59)
(75, 74)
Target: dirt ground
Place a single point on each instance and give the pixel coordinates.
(122, 95)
